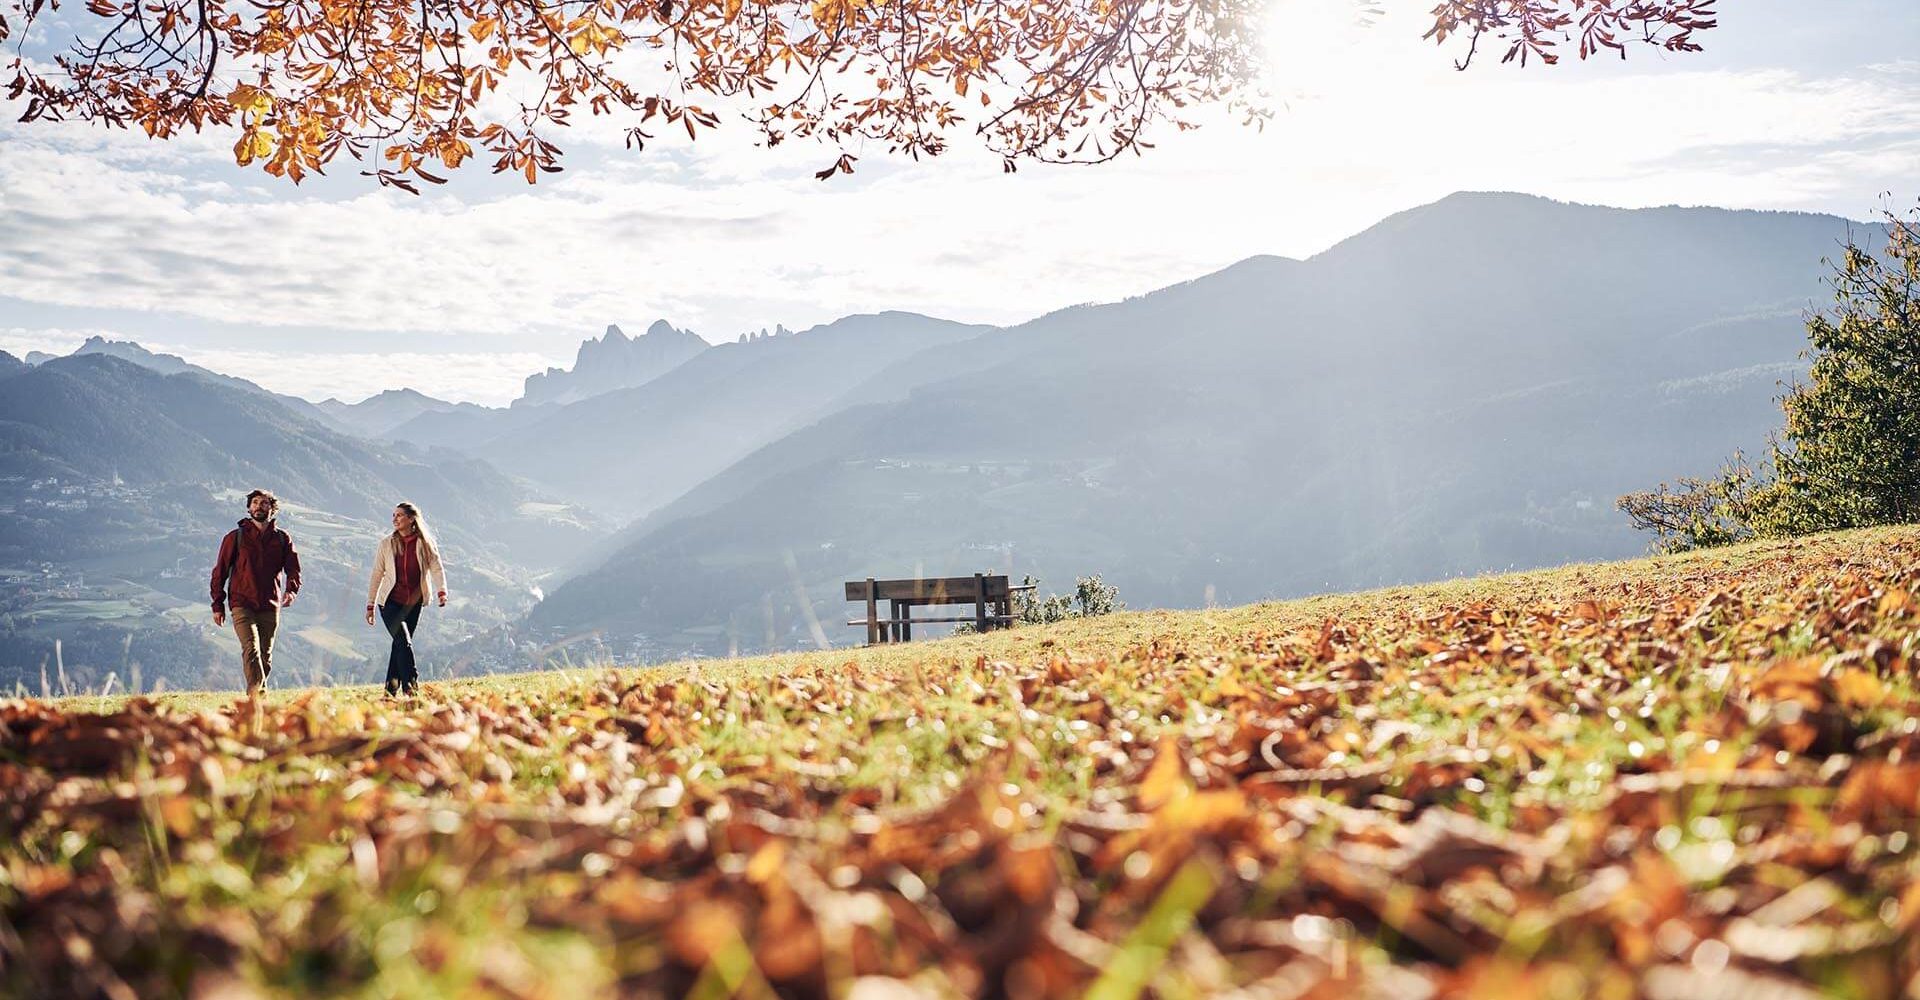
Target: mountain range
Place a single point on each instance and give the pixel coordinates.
(117, 482)
(383, 414)
(1460, 388)
(613, 361)
(630, 451)
(169, 364)
(608, 363)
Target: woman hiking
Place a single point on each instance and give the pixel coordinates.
(403, 565)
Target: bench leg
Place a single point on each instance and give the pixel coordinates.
(873, 614)
(906, 622)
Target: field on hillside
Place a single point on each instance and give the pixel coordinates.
(1691, 776)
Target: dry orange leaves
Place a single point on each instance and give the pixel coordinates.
(414, 84)
(1648, 781)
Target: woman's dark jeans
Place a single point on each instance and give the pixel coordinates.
(401, 619)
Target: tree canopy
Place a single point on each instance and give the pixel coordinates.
(1849, 455)
(422, 85)
(1852, 452)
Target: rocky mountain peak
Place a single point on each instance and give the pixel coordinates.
(613, 361)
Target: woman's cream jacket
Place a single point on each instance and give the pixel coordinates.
(432, 575)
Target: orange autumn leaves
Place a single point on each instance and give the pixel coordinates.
(415, 87)
(1637, 780)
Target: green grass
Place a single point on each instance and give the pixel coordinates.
(1115, 634)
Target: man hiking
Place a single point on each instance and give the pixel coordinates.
(253, 558)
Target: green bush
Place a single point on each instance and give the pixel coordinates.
(1090, 597)
(1698, 513)
(1851, 451)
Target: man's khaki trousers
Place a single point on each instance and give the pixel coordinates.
(255, 628)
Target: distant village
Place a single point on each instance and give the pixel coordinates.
(20, 494)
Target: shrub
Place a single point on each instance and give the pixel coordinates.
(1698, 513)
(1090, 597)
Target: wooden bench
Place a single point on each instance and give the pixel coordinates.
(991, 597)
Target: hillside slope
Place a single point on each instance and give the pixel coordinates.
(1453, 391)
(169, 364)
(117, 483)
(1664, 778)
(95, 417)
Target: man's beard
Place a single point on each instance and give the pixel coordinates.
(261, 516)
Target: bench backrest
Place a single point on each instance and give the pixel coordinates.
(933, 590)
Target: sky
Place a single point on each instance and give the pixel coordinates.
(338, 288)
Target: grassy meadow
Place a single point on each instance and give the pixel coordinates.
(1683, 776)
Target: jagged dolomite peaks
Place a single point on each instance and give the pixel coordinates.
(612, 361)
(779, 330)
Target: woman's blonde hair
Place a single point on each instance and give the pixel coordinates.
(419, 526)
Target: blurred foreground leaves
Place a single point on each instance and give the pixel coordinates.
(1678, 778)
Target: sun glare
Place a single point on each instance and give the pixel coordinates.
(1309, 43)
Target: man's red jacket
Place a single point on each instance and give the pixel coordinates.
(250, 564)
